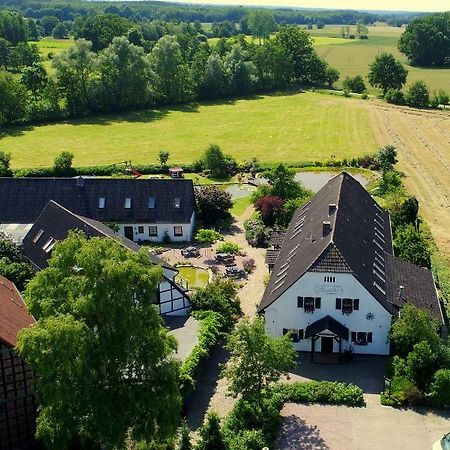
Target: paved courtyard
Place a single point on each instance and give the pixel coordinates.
(371, 427)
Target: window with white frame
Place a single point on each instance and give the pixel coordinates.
(177, 202)
(153, 230)
(140, 229)
(296, 335)
(178, 230)
(347, 305)
(101, 202)
(127, 204)
(362, 337)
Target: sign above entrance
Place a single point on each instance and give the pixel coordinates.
(325, 289)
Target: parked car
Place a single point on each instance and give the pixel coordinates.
(443, 443)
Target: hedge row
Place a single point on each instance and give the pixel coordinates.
(326, 392)
(211, 326)
(365, 161)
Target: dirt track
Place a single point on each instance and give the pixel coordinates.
(423, 141)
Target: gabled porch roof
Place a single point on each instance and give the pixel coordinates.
(327, 323)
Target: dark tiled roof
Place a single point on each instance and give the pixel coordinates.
(277, 238)
(13, 312)
(327, 323)
(418, 286)
(359, 235)
(55, 222)
(271, 256)
(23, 199)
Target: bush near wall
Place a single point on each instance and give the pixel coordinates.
(211, 327)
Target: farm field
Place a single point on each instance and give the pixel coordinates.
(274, 128)
(353, 56)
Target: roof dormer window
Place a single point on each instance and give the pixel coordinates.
(151, 202)
(177, 202)
(127, 204)
(101, 202)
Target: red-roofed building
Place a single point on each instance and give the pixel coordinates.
(17, 404)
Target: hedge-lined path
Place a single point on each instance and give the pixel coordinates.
(211, 392)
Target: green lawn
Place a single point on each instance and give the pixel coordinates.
(240, 205)
(274, 128)
(354, 56)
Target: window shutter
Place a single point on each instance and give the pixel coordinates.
(301, 334)
(318, 302)
(353, 336)
(338, 303)
(299, 302)
(356, 304)
(369, 337)
(285, 331)
(295, 335)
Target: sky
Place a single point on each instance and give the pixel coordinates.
(388, 5)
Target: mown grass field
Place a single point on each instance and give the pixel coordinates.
(274, 128)
(352, 57)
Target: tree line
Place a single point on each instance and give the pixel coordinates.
(173, 70)
(147, 10)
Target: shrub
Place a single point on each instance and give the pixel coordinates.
(270, 208)
(229, 247)
(246, 439)
(390, 183)
(395, 96)
(249, 265)
(220, 297)
(256, 233)
(418, 94)
(213, 205)
(184, 441)
(397, 397)
(422, 364)
(63, 164)
(440, 389)
(217, 164)
(210, 434)
(5, 161)
(411, 245)
(208, 236)
(328, 392)
(355, 84)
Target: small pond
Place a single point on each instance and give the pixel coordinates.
(317, 180)
(238, 191)
(194, 276)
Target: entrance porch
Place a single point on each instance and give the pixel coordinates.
(323, 334)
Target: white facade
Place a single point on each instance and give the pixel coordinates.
(371, 316)
(177, 232)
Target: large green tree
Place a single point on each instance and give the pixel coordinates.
(170, 76)
(385, 72)
(413, 325)
(100, 352)
(261, 24)
(426, 40)
(13, 27)
(122, 70)
(411, 245)
(13, 100)
(284, 184)
(257, 360)
(74, 68)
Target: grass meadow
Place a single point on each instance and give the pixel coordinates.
(353, 56)
(292, 126)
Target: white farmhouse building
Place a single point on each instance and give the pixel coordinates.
(336, 282)
(54, 224)
(143, 210)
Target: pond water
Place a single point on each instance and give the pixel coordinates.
(238, 191)
(195, 276)
(316, 180)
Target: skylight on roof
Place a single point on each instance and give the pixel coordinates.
(177, 202)
(294, 249)
(379, 268)
(151, 202)
(296, 233)
(379, 276)
(379, 287)
(38, 236)
(378, 245)
(48, 246)
(284, 270)
(127, 204)
(101, 202)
